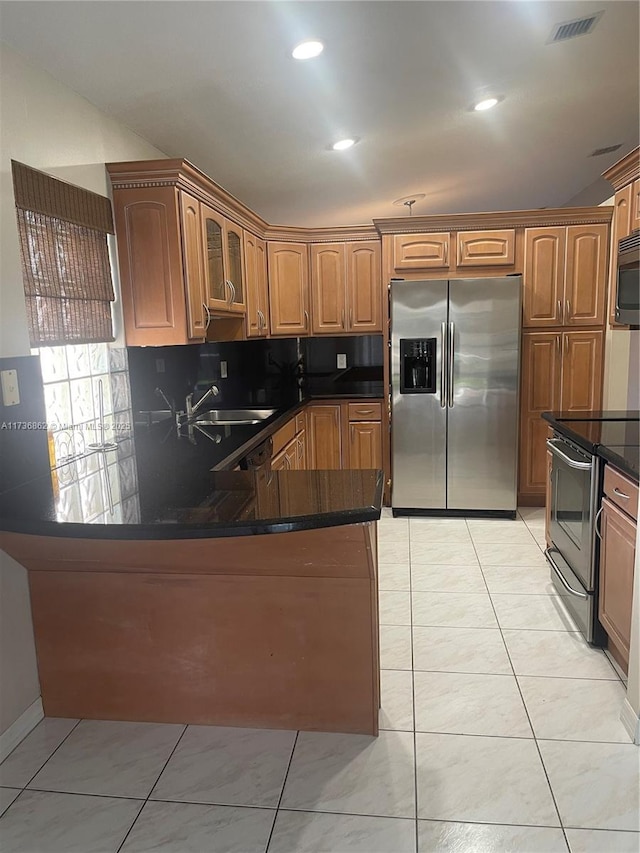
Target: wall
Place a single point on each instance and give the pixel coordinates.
(49, 127)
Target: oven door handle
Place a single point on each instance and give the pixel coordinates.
(561, 578)
(552, 444)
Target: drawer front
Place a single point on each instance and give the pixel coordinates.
(365, 411)
(283, 436)
(621, 491)
(300, 421)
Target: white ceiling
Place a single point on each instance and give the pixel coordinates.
(215, 82)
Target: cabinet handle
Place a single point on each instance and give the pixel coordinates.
(208, 313)
(233, 293)
(558, 343)
(343, 318)
(566, 345)
(350, 318)
(306, 319)
(620, 494)
(227, 285)
(568, 307)
(261, 321)
(559, 315)
(364, 411)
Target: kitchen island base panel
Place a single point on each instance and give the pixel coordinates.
(292, 644)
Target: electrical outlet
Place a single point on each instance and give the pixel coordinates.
(10, 390)
(223, 370)
(341, 360)
(159, 365)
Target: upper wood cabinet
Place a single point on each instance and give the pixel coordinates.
(158, 241)
(421, 251)
(257, 292)
(625, 202)
(635, 206)
(582, 355)
(288, 265)
(543, 280)
(586, 275)
(565, 276)
(328, 288)
(224, 265)
(346, 288)
(486, 248)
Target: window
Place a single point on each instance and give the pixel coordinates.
(65, 261)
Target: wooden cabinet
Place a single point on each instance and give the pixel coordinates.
(325, 444)
(158, 243)
(635, 206)
(621, 226)
(257, 293)
(486, 248)
(365, 444)
(585, 287)
(328, 288)
(421, 251)
(288, 288)
(617, 558)
(364, 287)
(223, 262)
(561, 371)
(346, 288)
(565, 276)
(543, 279)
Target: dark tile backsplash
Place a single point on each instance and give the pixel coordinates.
(320, 354)
(24, 451)
(258, 372)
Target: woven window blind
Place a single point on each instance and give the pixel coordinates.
(65, 260)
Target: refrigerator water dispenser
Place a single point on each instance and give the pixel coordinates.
(418, 365)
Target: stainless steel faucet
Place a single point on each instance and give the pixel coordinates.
(213, 391)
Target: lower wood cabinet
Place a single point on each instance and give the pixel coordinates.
(325, 440)
(617, 557)
(561, 371)
(365, 444)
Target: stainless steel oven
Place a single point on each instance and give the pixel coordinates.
(575, 480)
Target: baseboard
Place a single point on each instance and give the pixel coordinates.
(19, 729)
(630, 721)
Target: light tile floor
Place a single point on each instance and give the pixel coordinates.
(500, 731)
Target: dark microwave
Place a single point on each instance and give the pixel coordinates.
(628, 280)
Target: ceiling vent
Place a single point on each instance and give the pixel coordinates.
(608, 150)
(573, 29)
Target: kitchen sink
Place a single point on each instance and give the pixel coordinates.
(226, 417)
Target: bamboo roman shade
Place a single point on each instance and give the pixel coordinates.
(65, 259)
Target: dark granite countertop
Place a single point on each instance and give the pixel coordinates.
(615, 436)
(176, 488)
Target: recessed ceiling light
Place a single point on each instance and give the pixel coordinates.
(307, 49)
(486, 104)
(343, 144)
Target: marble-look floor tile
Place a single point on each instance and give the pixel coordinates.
(312, 832)
(227, 766)
(28, 757)
(7, 796)
(439, 530)
(560, 654)
(510, 554)
(354, 774)
(499, 532)
(464, 703)
(110, 758)
(453, 609)
(596, 785)
(189, 828)
(394, 551)
(432, 578)
(533, 612)
(46, 822)
(483, 779)
(447, 837)
(574, 708)
(395, 647)
(393, 529)
(524, 580)
(532, 514)
(454, 553)
(460, 650)
(394, 576)
(395, 607)
(396, 695)
(602, 841)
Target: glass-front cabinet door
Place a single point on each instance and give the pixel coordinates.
(235, 266)
(218, 291)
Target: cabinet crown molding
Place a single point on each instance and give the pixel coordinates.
(499, 219)
(627, 169)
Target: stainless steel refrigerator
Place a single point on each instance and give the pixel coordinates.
(455, 364)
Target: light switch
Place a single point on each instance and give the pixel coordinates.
(342, 360)
(10, 390)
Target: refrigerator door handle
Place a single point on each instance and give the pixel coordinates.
(443, 366)
(452, 329)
